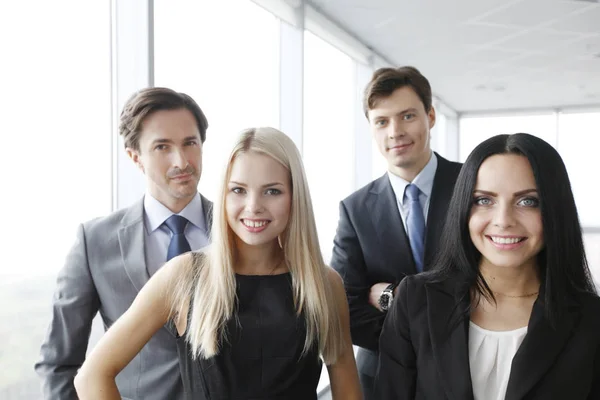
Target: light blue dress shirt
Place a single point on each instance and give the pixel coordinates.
(158, 236)
(424, 181)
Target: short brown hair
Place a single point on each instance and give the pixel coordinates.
(147, 101)
(386, 80)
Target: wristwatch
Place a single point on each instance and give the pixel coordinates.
(387, 296)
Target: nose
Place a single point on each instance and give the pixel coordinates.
(395, 129)
(254, 203)
(179, 159)
(504, 216)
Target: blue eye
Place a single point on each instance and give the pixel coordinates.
(482, 201)
(407, 117)
(529, 202)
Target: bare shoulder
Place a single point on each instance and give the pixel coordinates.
(334, 276)
(335, 280)
(176, 269)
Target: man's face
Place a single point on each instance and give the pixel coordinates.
(170, 155)
(400, 127)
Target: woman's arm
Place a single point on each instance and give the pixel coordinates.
(127, 336)
(343, 375)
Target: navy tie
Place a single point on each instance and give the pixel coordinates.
(179, 244)
(415, 225)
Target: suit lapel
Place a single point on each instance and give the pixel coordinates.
(537, 353)
(131, 242)
(449, 341)
(207, 210)
(443, 185)
(388, 223)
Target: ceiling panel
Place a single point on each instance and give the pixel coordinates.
(526, 13)
(539, 40)
(486, 55)
(585, 22)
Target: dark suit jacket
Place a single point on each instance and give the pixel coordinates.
(104, 272)
(424, 349)
(371, 246)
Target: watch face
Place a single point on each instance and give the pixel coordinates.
(384, 301)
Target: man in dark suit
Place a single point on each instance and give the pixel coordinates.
(114, 256)
(390, 228)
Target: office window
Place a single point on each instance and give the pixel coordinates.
(328, 141)
(578, 143)
(474, 130)
(592, 249)
(225, 54)
(56, 167)
(379, 162)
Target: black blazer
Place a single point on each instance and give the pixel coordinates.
(424, 349)
(371, 245)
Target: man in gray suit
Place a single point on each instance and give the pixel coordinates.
(114, 256)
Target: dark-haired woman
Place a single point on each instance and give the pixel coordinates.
(510, 311)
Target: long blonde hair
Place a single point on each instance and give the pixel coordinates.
(210, 278)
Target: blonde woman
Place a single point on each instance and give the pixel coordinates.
(254, 313)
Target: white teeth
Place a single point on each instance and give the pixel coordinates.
(501, 240)
(254, 224)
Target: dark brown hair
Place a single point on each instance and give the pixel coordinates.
(386, 80)
(147, 101)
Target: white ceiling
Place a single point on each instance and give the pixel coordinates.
(484, 55)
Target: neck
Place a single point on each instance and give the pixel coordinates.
(263, 259)
(410, 172)
(175, 205)
(511, 282)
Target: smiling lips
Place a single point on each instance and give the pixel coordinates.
(400, 147)
(255, 225)
(182, 177)
(507, 242)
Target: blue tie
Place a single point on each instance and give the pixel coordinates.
(415, 225)
(179, 244)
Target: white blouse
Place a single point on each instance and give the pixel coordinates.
(490, 358)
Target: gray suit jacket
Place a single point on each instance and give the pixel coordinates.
(104, 271)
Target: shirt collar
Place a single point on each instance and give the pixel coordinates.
(424, 180)
(156, 213)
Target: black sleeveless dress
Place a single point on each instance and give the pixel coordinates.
(261, 358)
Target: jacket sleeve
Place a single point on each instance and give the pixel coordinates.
(397, 373)
(75, 304)
(595, 390)
(348, 260)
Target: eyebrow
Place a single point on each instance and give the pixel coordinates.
(185, 139)
(408, 110)
(264, 186)
(516, 194)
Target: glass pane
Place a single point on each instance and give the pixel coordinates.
(578, 143)
(225, 55)
(55, 76)
(592, 249)
(328, 132)
(379, 162)
(474, 130)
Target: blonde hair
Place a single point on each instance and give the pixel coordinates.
(209, 280)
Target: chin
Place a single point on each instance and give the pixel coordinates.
(504, 263)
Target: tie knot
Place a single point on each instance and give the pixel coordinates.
(412, 192)
(176, 223)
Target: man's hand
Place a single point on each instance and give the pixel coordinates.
(375, 293)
